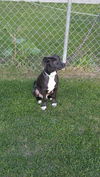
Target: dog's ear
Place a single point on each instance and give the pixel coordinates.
(45, 61)
(56, 57)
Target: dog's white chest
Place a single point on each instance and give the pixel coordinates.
(51, 82)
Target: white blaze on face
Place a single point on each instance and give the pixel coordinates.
(51, 83)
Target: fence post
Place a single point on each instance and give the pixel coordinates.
(68, 15)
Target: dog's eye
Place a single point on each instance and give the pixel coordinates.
(47, 61)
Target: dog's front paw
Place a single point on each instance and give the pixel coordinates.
(43, 108)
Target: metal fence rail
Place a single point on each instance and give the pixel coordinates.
(84, 35)
(31, 30)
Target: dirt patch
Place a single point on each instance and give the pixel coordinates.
(70, 72)
(78, 72)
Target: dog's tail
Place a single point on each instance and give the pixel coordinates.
(34, 84)
(34, 87)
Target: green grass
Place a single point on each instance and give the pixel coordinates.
(60, 142)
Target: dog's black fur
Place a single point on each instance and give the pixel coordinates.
(46, 84)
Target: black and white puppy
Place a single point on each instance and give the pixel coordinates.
(46, 84)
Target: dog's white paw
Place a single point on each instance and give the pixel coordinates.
(43, 108)
(39, 101)
(54, 104)
(50, 99)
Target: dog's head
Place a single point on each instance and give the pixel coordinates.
(53, 63)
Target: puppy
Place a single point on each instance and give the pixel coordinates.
(46, 84)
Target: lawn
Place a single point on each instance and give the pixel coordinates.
(58, 142)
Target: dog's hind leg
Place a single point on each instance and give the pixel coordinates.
(38, 96)
(39, 100)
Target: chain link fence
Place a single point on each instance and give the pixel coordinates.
(30, 30)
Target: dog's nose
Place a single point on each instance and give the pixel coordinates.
(63, 65)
